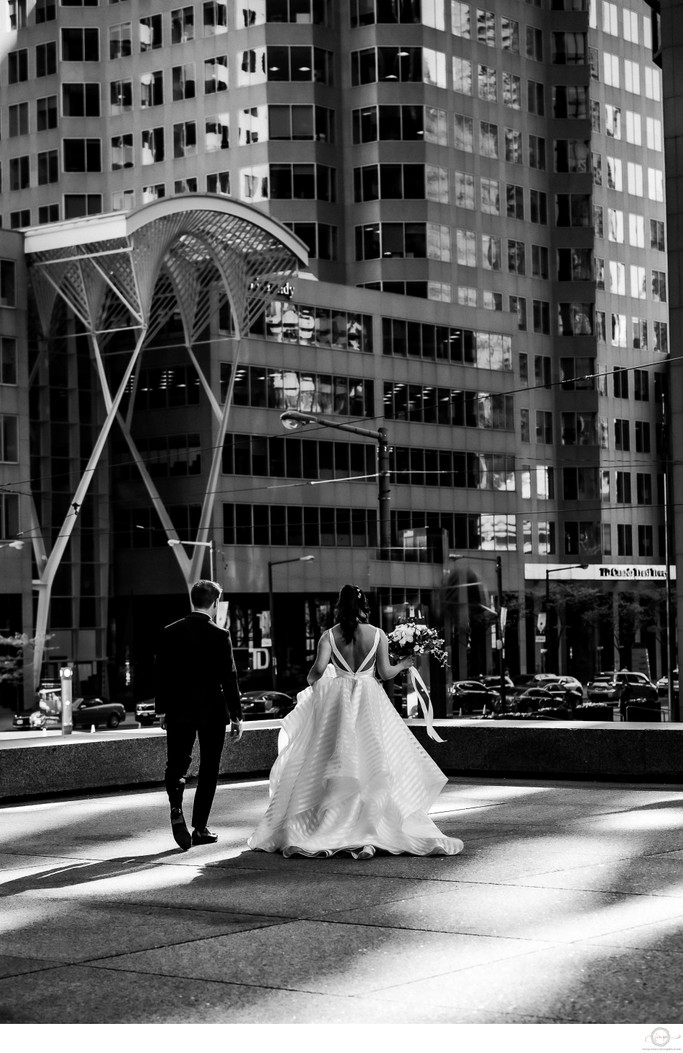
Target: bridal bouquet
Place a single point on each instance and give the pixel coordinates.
(410, 639)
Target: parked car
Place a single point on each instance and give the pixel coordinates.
(527, 680)
(494, 682)
(471, 695)
(36, 719)
(662, 685)
(535, 698)
(266, 705)
(613, 686)
(89, 711)
(145, 713)
(571, 683)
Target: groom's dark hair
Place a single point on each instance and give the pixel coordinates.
(204, 593)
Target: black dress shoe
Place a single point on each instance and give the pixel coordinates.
(203, 837)
(179, 829)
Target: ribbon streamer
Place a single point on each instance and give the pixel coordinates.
(427, 709)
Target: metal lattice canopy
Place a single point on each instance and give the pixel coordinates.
(132, 271)
(100, 261)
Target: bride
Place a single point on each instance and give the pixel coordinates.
(350, 776)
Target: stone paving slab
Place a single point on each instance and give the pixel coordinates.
(565, 907)
(576, 984)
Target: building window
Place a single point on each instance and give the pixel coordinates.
(17, 66)
(624, 539)
(9, 448)
(154, 192)
(217, 132)
(544, 427)
(538, 207)
(151, 35)
(215, 17)
(535, 98)
(218, 183)
(182, 25)
(185, 139)
(657, 235)
(8, 360)
(82, 155)
(659, 286)
(517, 306)
(9, 515)
(537, 153)
(305, 63)
(513, 146)
(76, 205)
(7, 283)
(80, 45)
(489, 191)
(516, 260)
(151, 89)
(643, 488)
(46, 59)
(623, 488)
(120, 40)
(122, 151)
(120, 96)
(183, 81)
(661, 337)
(541, 316)
(488, 139)
(18, 119)
(21, 218)
(45, 11)
(48, 167)
(152, 146)
(19, 172)
(81, 100)
(123, 200)
(215, 75)
(622, 436)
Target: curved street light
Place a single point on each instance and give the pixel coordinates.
(499, 617)
(294, 419)
(196, 544)
(555, 570)
(277, 563)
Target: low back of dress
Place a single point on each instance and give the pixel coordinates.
(367, 664)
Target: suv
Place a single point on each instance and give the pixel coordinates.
(611, 687)
(146, 713)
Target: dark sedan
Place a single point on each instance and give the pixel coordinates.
(87, 712)
(266, 705)
(471, 695)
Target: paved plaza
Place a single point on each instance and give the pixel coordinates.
(566, 907)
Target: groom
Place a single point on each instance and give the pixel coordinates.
(196, 694)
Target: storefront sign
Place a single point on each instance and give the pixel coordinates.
(598, 572)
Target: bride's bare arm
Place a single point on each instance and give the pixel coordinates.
(385, 667)
(322, 659)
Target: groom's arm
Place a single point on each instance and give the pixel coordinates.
(229, 680)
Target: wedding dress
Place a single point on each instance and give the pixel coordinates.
(350, 776)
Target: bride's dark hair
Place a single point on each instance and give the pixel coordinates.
(352, 608)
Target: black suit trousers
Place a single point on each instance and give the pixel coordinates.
(180, 738)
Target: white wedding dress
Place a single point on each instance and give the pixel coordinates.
(350, 776)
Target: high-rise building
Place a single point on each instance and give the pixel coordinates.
(481, 195)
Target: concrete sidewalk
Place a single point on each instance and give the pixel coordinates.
(565, 907)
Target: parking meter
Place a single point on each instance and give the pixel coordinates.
(66, 679)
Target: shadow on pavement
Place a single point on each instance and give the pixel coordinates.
(79, 873)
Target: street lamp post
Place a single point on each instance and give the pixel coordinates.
(552, 654)
(271, 606)
(499, 617)
(197, 544)
(294, 419)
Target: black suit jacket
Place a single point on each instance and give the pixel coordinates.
(196, 678)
